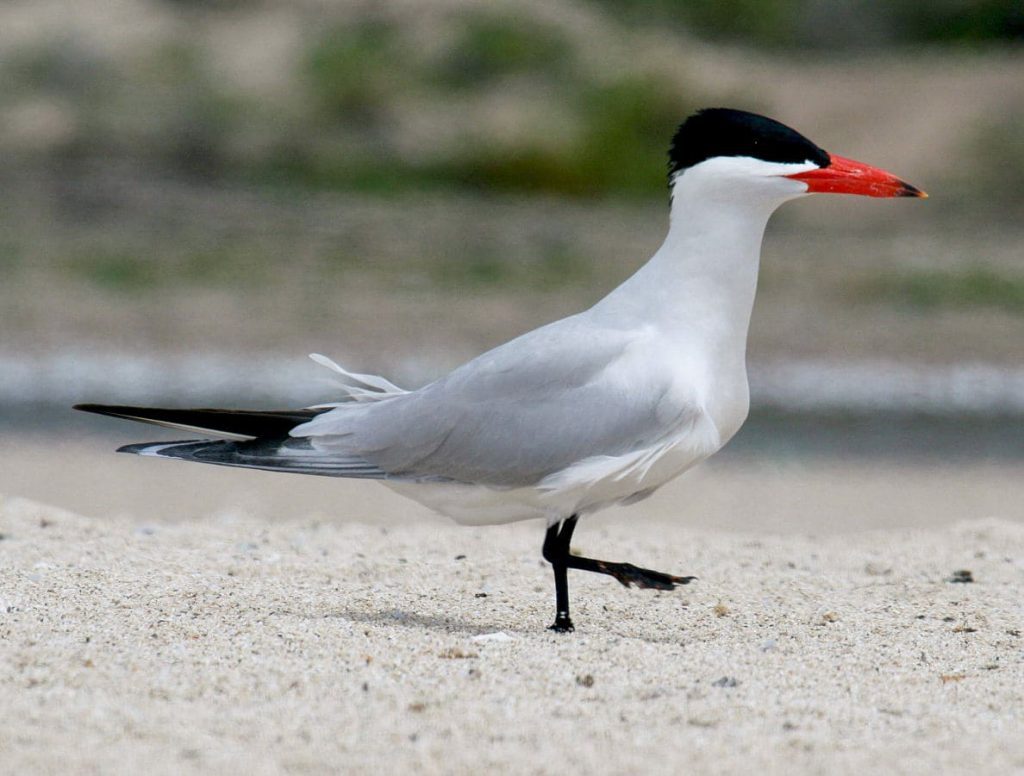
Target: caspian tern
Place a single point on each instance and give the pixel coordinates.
(600, 408)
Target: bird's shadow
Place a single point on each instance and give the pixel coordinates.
(405, 619)
(454, 626)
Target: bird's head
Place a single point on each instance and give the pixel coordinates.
(732, 153)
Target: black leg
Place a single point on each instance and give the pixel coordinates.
(556, 552)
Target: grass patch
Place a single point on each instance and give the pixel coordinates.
(358, 76)
(195, 137)
(341, 170)
(553, 268)
(11, 257)
(358, 86)
(127, 271)
(60, 66)
(628, 126)
(489, 47)
(839, 24)
(354, 69)
(474, 272)
(116, 272)
(620, 149)
(997, 149)
(969, 288)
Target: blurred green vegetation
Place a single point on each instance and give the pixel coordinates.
(619, 149)
(971, 287)
(997, 154)
(553, 267)
(122, 272)
(833, 24)
(488, 100)
(615, 143)
(120, 269)
(353, 70)
(969, 21)
(492, 46)
(357, 88)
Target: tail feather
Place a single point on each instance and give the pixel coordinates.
(238, 425)
(247, 439)
(283, 454)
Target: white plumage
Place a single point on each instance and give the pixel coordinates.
(602, 407)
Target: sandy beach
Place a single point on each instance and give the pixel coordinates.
(197, 195)
(186, 619)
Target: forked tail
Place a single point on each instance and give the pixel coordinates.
(245, 438)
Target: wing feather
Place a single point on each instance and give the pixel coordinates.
(519, 413)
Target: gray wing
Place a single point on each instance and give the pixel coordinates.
(534, 406)
(296, 456)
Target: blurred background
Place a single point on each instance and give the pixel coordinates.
(197, 194)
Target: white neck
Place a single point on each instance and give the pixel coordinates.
(696, 294)
(699, 287)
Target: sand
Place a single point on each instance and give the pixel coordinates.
(346, 631)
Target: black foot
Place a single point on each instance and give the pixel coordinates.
(556, 552)
(630, 575)
(562, 624)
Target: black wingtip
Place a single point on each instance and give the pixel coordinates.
(97, 408)
(114, 410)
(238, 424)
(110, 410)
(134, 449)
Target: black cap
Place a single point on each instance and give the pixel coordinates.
(726, 132)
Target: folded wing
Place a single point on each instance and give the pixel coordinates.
(537, 405)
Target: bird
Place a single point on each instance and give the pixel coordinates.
(597, 409)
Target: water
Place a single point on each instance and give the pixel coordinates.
(800, 409)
